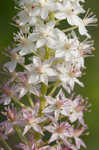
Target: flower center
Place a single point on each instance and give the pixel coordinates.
(11, 116)
(15, 56)
(59, 104)
(67, 46)
(71, 74)
(31, 120)
(39, 70)
(60, 129)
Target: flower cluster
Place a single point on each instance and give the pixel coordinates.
(45, 64)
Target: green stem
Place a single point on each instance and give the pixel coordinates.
(70, 29)
(21, 104)
(43, 89)
(19, 133)
(18, 102)
(5, 144)
(47, 52)
(22, 65)
(54, 89)
(30, 100)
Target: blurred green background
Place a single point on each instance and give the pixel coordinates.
(91, 79)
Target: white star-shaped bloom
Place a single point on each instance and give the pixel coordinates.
(68, 11)
(40, 71)
(60, 131)
(68, 76)
(57, 105)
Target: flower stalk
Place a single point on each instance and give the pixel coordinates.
(51, 60)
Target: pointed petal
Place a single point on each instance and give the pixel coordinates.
(50, 128)
(44, 13)
(53, 137)
(37, 128)
(44, 79)
(49, 109)
(40, 43)
(26, 129)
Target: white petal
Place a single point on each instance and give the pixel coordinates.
(34, 36)
(73, 117)
(44, 79)
(33, 78)
(34, 91)
(61, 35)
(22, 91)
(49, 109)
(53, 137)
(50, 100)
(80, 83)
(25, 51)
(41, 119)
(51, 72)
(59, 53)
(57, 115)
(5, 100)
(60, 15)
(37, 128)
(79, 142)
(11, 66)
(40, 43)
(49, 128)
(51, 43)
(36, 61)
(44, 13)
(35, 12)
(26, 129)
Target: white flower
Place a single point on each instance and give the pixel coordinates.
(68, 48)
(56, 105)
(44, 7)
(26, 2)
(90, 19)
(49, 58)
(40, 71)
(40, 8)
(60, 131)
(24, 86)
(67, 11)
(8, 94)
(77, 134)
(32, 121)
(75, 109)
(15, 59)
(68, 76)
(77, 6)
(44, 35)
(24, 18)
(25, 45)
